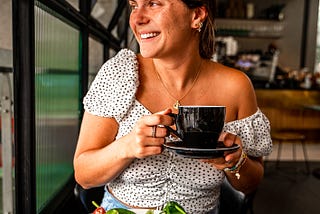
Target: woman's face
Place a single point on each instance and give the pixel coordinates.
(161, 27)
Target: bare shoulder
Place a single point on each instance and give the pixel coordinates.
(236, 89)
(231, 78)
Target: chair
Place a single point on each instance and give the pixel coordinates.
(86, 196)
(231, 200)
(292, 137)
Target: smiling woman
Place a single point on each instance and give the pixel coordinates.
(130, 104)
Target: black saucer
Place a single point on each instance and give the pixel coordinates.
(207, 153)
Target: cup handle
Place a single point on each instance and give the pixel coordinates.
(171, 130)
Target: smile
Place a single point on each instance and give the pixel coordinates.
(148, 35)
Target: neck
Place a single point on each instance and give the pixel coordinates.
(177, 74)
(178, 94)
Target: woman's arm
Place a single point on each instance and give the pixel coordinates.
(99, 158)
(251, 172)
(241, 99)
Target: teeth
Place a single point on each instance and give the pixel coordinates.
(148, 35)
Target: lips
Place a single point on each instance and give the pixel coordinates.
(148, 35)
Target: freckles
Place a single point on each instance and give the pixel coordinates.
(169, 21)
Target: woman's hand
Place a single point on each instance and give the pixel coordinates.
(230, 158)
(100, 157)
(149, 134)
(250, 168)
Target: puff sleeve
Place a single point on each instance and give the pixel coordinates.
(113, 90)
(254, 132)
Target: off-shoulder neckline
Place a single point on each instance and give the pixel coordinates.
(249, 118)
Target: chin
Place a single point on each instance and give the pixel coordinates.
(147, 53)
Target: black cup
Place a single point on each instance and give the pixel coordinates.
(199, 126)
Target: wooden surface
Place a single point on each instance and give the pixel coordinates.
(289, 110)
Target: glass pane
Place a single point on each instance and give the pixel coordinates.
(103, 10)
(74, 3)
(112, 52)
(95, 58)
(57, 102)
(6, 110)
(6, 34)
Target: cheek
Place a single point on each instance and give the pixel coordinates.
(169, 26)
(178, 24)
(132, 26)
(131, 22)
(178, 30)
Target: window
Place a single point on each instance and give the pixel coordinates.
(57, 92)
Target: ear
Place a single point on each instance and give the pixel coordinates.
(199, 16)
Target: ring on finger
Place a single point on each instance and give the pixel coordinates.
(154, 131)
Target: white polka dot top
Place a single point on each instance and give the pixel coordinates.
(151, 181)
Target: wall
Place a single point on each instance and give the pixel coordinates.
(290, 43)
(311, 38)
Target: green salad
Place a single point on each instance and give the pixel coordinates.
(170, 207)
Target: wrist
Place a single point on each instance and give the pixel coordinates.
(236, 168)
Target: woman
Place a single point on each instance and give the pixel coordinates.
(128, 105)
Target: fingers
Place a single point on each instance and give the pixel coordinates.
(164, 112)
(219, 163)
(157, 131)
(147, 141)
(154, 125)
(159, 118)
(229, 139)
(230, 158)
(149, 133)
(154, 132)
(227, 161)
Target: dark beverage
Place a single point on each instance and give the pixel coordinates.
(203, 140)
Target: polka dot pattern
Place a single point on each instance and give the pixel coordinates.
(112, 92)
(254, 132)
(151, 181)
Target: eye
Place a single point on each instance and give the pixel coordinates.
(154, 3)
(133, 5)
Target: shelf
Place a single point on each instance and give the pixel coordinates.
(246, 34)
(251, 28)
(247, 20)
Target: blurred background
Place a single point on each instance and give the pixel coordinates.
(50, 51)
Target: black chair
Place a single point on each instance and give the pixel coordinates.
(231, 200)
(86, 196)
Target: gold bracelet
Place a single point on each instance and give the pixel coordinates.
(236, 168)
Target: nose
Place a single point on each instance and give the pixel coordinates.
(139, 16)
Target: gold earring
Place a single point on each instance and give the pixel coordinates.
(199, 27)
